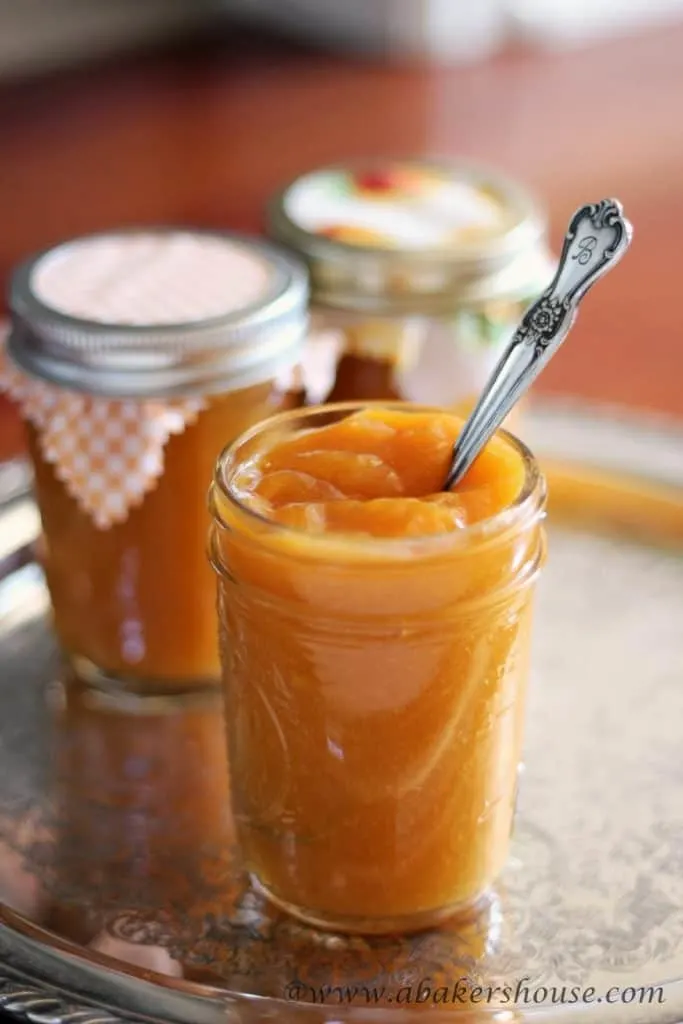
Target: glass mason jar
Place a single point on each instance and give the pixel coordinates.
(375, 698)
(133, 356)
(420, 272)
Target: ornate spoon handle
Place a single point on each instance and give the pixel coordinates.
(597, 237)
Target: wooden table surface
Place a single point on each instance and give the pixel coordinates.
(205, 135)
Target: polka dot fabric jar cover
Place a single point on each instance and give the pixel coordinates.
(107, 453)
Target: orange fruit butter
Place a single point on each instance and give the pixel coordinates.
(375, 635)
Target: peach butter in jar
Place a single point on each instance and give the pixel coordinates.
(132, 356)
(375, 655)
(420, 269)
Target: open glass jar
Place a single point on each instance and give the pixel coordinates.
(133, 356)
(420, 272)
(374, 685)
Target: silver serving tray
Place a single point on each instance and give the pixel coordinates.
(120, 893)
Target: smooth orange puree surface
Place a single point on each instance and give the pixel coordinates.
(375, 637)
(379, 472)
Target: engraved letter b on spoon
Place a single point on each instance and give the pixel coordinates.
(597, 237)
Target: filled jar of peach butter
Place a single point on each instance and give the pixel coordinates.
(420, 273)
(375, 638)
(132, 356)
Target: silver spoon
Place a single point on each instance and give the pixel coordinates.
(597, 237)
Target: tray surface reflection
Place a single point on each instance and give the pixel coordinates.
(115, 833)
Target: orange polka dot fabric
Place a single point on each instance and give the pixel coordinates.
(108, 453)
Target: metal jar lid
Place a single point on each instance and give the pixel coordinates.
(412, 237)
(158, 312)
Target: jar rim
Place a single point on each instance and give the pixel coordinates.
(215, 353)
(529, 502)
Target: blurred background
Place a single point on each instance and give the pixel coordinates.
(118, 112)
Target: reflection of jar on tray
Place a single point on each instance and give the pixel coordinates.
(135, 357)
(420, 273)
(142, 812)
